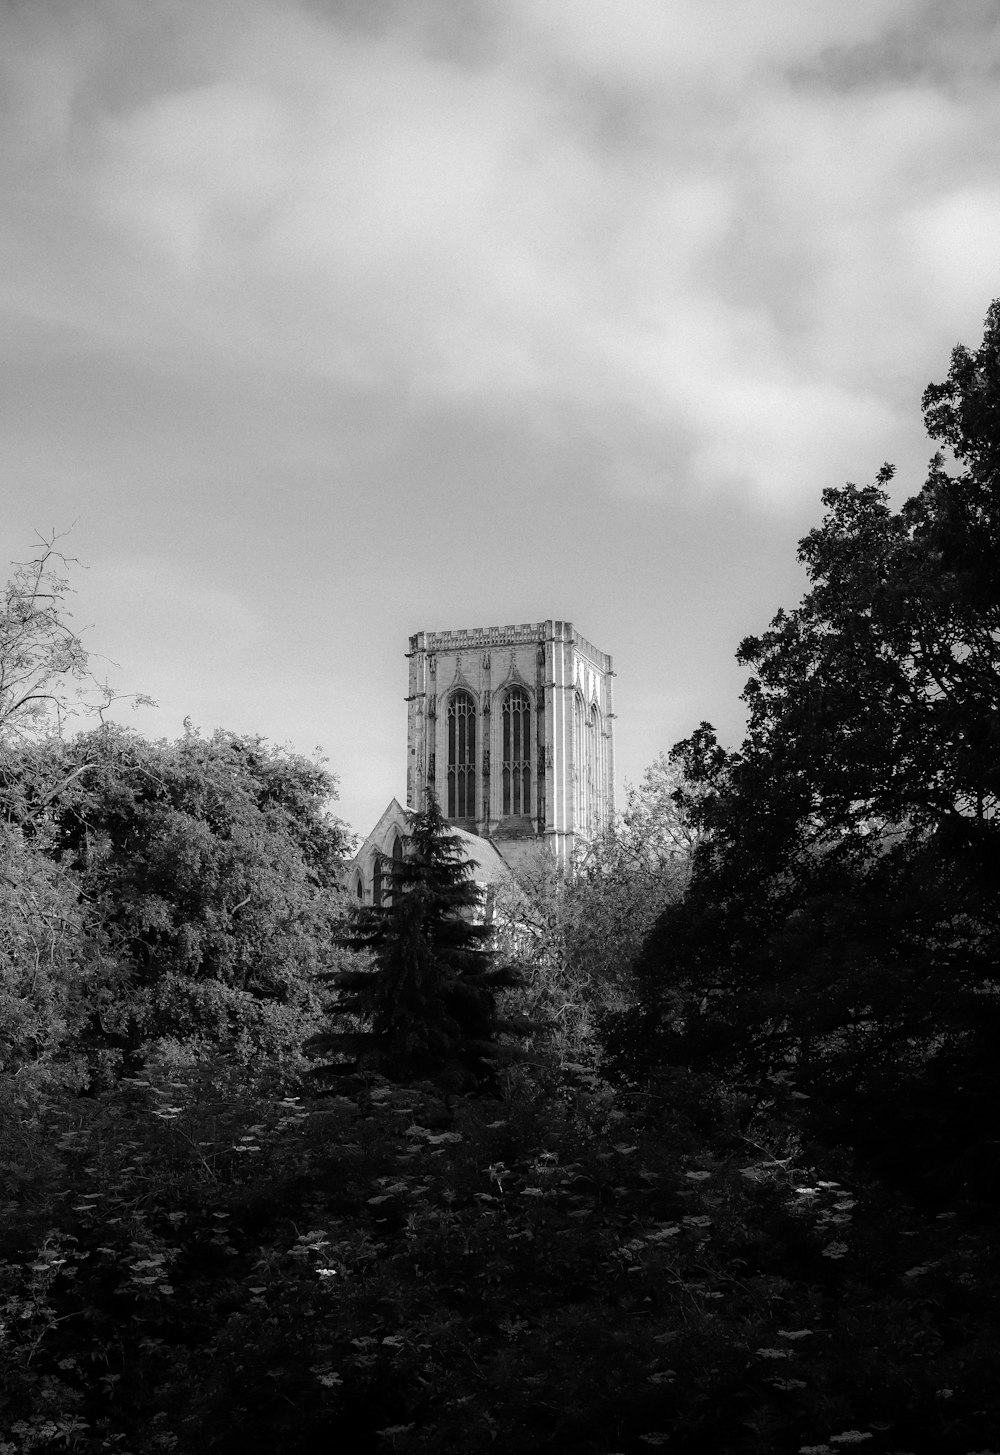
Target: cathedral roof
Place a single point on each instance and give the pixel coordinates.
(489, 865)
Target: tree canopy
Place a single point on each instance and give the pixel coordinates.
(186, 891)
(211, 868)
(840, 932)
(576, 931)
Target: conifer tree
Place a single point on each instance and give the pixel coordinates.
(428, 1005)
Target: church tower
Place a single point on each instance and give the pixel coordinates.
(513, 727)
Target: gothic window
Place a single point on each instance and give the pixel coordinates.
(516, 752)
(377, 881)
(397, 854)
(581, 763)
(597, 770)
(461, 756)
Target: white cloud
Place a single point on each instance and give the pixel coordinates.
(611, 262)
(464, 230)
(354, 206)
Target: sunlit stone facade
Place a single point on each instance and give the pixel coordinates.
(514, 728)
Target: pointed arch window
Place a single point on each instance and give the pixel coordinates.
(461, 756)
(516, 752)
(598, 772)
(581, 763)
(397, 859)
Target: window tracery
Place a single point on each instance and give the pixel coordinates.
(461, 756)
(516, 771)
(597, 770)
(581, 762)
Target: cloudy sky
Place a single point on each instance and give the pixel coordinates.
(323, 322)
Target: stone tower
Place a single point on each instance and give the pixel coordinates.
(514, 728)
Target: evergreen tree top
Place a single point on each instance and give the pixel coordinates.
(435, 860)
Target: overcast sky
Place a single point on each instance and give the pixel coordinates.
(329, 321)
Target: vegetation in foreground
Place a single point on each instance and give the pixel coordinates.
(190, 1268)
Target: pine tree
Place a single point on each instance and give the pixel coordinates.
(428, 1006)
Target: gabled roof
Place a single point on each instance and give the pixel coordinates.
(489, 865)
(393, 817)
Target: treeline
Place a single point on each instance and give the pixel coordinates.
(694, 1150)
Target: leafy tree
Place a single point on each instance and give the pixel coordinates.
(49, 962)
(49, 969)
(576, 934)
(623, 881)
(428, 1005)
(841, 930)
(211, 870)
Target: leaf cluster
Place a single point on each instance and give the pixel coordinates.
(196, 895)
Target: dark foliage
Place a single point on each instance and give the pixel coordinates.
(428, 1000)
(236, 1275)
(841, 932)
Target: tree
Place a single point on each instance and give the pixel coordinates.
(842, 926)
(211, 870)
(41, 656)
(49, 962)
(428, 1005)
(576, 934)
(48, 969)
(154, 891)
(39, 652)
(622, 882)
